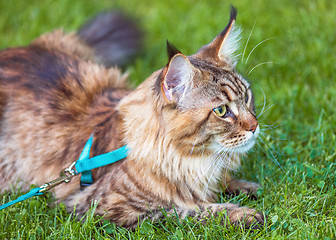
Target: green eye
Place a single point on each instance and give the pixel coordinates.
(220, 111)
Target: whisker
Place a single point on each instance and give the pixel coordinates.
(258, 65)
(265, 110)
(265, 40)
(273, 156)
(270, 146)
(216, 162)
(206, 186)
(248, 39)
(192, 149)
(219, 165)
(226, 171)
(267, 135)
(264, 103)
(198, 178)
(268, 127)
(271, 125)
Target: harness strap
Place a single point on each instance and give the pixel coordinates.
(86, 177)
(83, 165)
(101, 160)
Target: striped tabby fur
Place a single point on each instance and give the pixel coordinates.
(53, 96)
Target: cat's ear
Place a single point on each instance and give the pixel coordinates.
(226, 44)
(177, 75)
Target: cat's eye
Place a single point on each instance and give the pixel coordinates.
(220, 111)
(246, 98)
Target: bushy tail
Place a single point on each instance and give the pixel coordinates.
(114, 38)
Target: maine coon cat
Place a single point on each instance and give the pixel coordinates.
(186, 125)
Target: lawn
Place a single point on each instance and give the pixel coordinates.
(292, 73)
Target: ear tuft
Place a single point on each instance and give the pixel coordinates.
(233, 13)
(171, 50)
(230, 45)
(230, 38)
(226, 31)
(226, 44)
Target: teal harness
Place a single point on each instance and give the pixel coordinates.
(82, 166)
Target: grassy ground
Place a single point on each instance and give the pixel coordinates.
(295, 158)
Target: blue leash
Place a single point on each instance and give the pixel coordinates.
(83, 165)
(32, 193)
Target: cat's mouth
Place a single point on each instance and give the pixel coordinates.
(242, 147)
(247, 144)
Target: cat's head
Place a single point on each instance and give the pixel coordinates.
(207, 103)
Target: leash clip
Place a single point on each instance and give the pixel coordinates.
(65, 176)
(70, 170)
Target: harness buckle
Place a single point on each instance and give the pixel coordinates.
(71, 170)
(65, 176)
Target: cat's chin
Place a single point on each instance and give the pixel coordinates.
(243, 148)
(248, 144)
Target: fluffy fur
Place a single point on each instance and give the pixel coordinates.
(53, 95)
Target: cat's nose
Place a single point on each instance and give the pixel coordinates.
(254, 127)
(251, 124)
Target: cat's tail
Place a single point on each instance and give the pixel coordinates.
(114, 38)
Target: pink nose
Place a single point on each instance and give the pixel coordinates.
(251, 124)
(254, 127)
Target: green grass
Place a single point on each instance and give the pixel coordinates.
(295, 158)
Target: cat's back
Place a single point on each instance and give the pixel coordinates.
(61, 69)
(56, 73)
(35, 69)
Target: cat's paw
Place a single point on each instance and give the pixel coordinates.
(237, 186)
(247, 217)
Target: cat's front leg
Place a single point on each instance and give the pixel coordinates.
(236, 215)
(130, 214)
(245, 216)
(236, 186)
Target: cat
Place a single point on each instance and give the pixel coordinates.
(185, 126)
